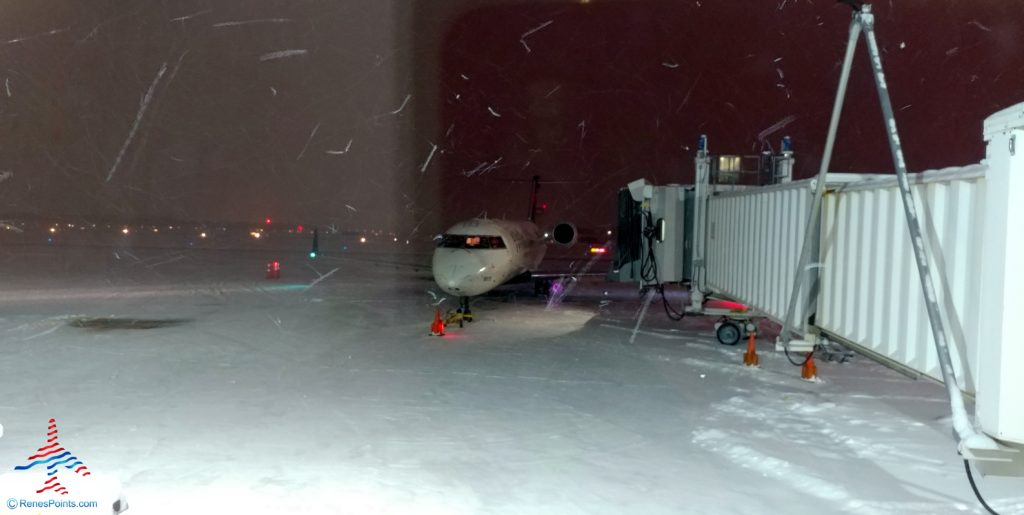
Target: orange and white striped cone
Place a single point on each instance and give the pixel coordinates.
(750, 358)
(437, 326)
(810, 370)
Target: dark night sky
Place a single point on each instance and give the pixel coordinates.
(329, 111)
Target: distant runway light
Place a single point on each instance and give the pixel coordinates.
(202, 235)
(124, 230)
(362, 239)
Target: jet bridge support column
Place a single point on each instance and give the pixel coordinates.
(702, 185)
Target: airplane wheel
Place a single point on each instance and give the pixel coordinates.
(728, 333)
(541, 287)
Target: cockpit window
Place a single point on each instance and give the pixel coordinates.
(471, 241)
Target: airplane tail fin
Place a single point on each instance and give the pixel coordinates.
(535, 182)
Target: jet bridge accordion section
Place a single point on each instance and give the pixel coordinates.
(871, 291)
(753, 243)
(867, 289)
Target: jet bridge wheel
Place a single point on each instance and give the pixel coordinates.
(728, 332)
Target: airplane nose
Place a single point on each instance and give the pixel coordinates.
(458, 272)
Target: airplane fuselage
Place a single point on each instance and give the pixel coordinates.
(477, 255)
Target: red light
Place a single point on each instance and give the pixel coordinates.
(598, 250)
(267, 221)
(727, 304)
(298, 228)
(544, 205)
(274, 270)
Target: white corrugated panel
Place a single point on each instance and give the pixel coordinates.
(871, 292)
(753, 244)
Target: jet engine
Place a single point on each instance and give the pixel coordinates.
(564, 234)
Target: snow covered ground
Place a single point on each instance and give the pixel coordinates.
(322, 393)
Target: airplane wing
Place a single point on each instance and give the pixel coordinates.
(562, 275)
(413, 262)
(594, 262)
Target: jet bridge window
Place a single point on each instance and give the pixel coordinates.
(472, 241)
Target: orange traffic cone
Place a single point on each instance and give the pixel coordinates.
(437, 326)
(810, 371)
(750, 359)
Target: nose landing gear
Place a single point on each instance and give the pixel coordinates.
(464, 313)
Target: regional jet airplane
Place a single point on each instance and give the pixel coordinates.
(475, 256)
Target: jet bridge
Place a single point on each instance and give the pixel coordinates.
(922, 271)
(742, 242)
(669, 234)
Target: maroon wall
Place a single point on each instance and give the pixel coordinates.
(611, 91)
